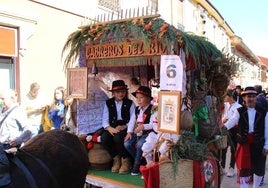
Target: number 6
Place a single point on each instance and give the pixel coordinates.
(171, 72)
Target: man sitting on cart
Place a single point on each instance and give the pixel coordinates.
(118, 119)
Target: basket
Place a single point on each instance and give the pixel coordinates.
(221, 141)
(183, 178)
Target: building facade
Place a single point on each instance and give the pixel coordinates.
(33, 33)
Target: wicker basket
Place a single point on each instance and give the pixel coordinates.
(183, 178)
(221, 141)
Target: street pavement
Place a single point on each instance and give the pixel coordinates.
(228, 182)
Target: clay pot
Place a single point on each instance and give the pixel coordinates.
(99, 158)
(186, 120)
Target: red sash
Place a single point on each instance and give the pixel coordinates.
(151, 176)
(206, 173)
(242, 154)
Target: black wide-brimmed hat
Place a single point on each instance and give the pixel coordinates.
(118, 85)
(143, 90)
(238, 87)
(249, 90)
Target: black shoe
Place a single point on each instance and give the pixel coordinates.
(135, 170)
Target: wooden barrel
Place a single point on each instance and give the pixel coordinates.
(99, 158)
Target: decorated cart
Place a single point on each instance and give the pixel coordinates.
(182, 68)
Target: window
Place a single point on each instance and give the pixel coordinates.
(153, 5)
(7, 73)
(110, 4)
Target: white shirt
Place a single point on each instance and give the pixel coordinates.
(130, 125)
(34, 103)
(251, 117)
(229, 109)
(14, 126)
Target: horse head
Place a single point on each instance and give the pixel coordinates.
(55, 159)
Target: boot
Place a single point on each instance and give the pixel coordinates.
(125, 167)
(116, 164)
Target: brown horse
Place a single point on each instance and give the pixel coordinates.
(53, 159)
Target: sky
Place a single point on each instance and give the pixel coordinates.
(249, 20)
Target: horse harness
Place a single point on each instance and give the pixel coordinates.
(29, 177)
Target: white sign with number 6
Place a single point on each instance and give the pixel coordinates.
(171, 73)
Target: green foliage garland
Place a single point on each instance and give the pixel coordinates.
(188, 147)
(144, 29)
(212, 68)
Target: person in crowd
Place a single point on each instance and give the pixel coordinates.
(118, 119)
(34, 106)
(262, 102)
(239, 97)
(14, 127)
(261, 98)
(57, 109)
(252, 138)
(230, 106)
(70, 119)
(144, 125)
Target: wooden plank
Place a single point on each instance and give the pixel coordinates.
(107, 183)
(96, 20)
(112, 16)
(126, 13)
(134, 13)
(124, 20)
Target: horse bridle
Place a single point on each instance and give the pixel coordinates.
(30, 179)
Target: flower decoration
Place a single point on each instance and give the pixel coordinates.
(91, 139)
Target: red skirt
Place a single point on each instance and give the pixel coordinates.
(243, 158)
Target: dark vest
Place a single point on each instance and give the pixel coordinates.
(147, 112)
(240, 99)
(243, 125)
(125, 112)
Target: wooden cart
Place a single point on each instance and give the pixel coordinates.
(133, 47)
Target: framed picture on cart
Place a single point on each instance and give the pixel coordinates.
(77, 82)
(169, 111)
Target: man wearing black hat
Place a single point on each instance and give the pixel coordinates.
(118, 119)
(252, 138)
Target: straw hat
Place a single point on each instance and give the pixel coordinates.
(249, 90)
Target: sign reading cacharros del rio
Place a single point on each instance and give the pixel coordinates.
(124, 49)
